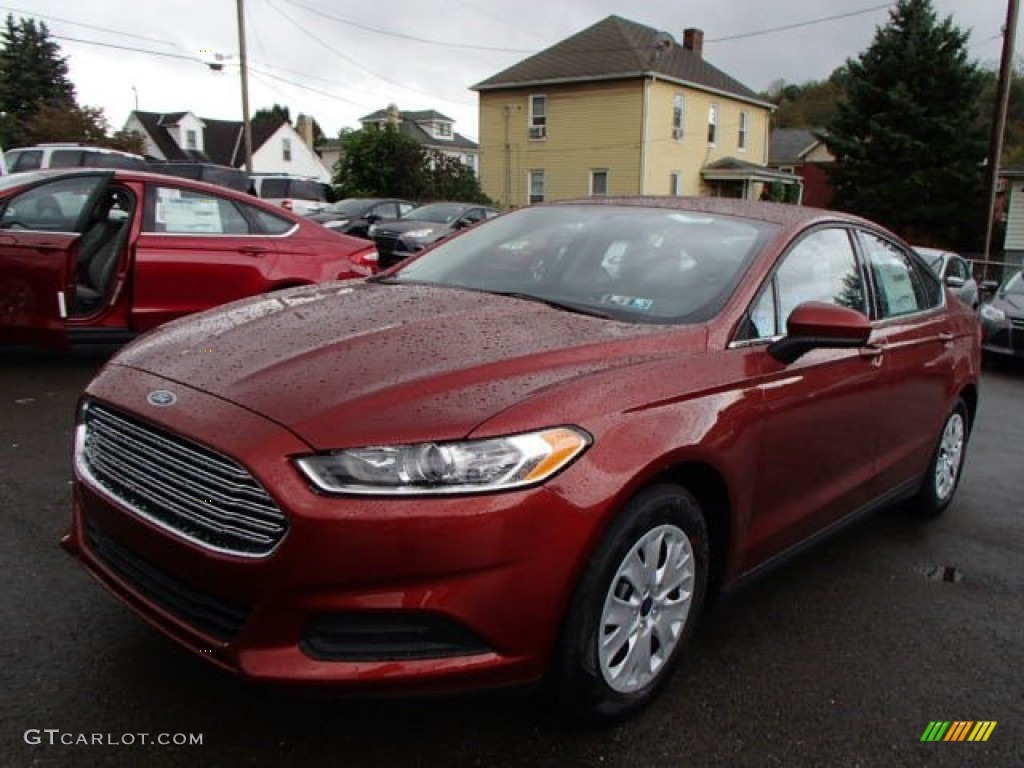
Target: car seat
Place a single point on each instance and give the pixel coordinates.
(100, 248)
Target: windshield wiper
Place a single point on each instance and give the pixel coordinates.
(579, 309)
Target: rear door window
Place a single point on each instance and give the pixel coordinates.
(172, 210)
(903, 284)
(66, 158)
(26, 160)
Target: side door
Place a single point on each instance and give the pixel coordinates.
(196, 250)
(919, 350)
(818, 415)
(40, 229)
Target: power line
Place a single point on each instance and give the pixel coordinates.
(194, 59)
(799, 24)
(403, 35)
(32, 14)
(357, 65)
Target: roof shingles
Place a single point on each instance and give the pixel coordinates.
(617, 48)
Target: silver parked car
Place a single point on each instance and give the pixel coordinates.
(955, 272)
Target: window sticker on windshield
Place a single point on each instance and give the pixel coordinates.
(634, 303)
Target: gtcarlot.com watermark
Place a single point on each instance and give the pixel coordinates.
(54, 737)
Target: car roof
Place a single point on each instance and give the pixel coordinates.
(127, 174)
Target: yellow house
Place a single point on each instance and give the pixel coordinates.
(621, 109)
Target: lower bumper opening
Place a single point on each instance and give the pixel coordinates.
(215, 616)
(388, 636)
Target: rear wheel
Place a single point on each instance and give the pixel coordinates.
(943, 477)
(635, 607)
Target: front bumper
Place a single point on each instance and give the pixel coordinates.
(408, 595)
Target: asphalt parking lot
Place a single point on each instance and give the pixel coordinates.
(841, 658)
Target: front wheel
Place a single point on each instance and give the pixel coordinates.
(635, 607)
(943, 476)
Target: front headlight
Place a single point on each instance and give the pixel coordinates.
(992, 314)
(417, 234)
(336, 224)
(470, 466)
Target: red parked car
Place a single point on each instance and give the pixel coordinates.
(533, 451)
(102, 255)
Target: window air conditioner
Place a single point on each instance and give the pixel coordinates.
(538, 131)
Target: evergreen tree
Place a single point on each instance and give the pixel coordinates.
(33, 74)
(907, 134)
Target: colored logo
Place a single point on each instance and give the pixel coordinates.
(958, 730)
(161, 398)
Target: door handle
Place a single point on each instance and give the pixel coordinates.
(873, 352)
(253, 251)
(947, 339)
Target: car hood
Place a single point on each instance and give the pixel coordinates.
(398, 226)
(1010, 303)
(346, 364)
(322, 217)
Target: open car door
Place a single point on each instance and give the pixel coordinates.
(40, 227)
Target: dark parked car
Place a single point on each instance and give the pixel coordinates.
(423, 226)
(93, 256)
(1002, 319)
(955, 271)
(354, 215)
(534, 451)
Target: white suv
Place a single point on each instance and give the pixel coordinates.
(295, 193)
(64, 155)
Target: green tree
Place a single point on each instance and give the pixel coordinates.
(810, 105)
(383, 162)
(33, 74)
(379, 163)
(907, 136)
(273, 114)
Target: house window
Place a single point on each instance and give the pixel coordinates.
(599, 182)
(538, 117)
(675, 185)
(712, 124)
(286, 150)
(190, 140)
(536, 186)
(444, 129)
(678, 107)
(744, 128)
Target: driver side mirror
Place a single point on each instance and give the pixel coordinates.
(819, 325)
(990, 286)
(372, 218)
(955, 282)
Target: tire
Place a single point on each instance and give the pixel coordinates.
(944, 470)
(635, 607)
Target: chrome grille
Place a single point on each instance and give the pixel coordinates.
(180, 485)
(1017, 322)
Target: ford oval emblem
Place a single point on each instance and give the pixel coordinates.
(161, 398)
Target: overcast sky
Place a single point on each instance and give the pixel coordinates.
(426, 55)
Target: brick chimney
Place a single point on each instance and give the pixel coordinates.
(693, 40)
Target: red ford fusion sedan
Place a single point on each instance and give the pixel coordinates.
(531, 453)
(102, 255)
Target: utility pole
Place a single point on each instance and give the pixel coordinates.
(508, 156)
(246, 123)
(999, 120)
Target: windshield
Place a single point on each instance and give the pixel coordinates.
(653, 265)
(349, 207)
(1014, 285)
(439, 212)
(934, 261)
